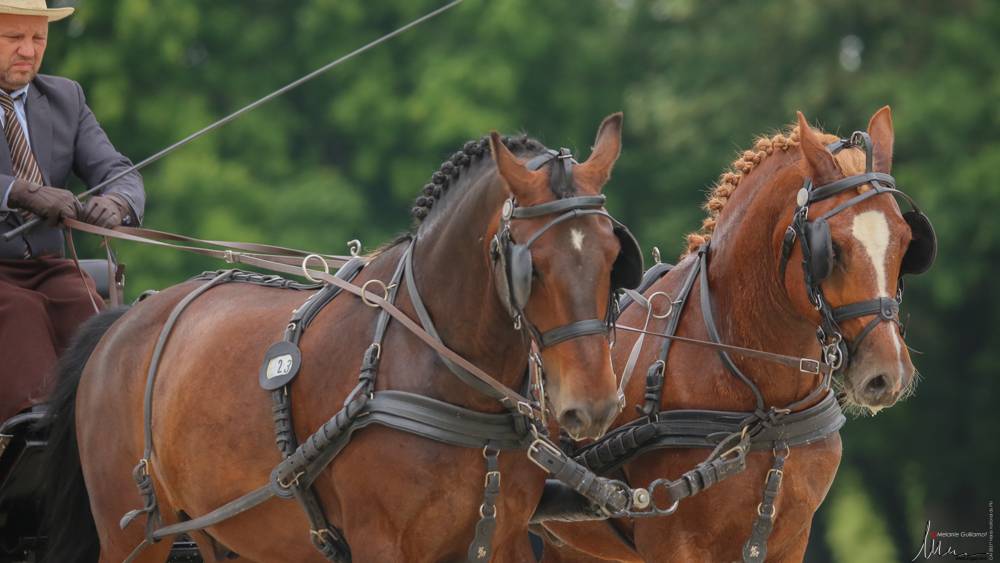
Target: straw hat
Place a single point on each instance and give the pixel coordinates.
(33, 8)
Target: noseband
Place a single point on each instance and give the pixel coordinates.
(512, 265)
(818, 255)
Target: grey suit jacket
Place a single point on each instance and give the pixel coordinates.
(65, 137)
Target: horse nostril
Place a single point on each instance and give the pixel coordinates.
(877, 385)
(575, 421)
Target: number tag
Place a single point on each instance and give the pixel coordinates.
(281, 364)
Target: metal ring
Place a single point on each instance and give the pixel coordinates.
(305, 269)
(652, 497)
(761, 513)
(364, 292)
(354, 247)
(652, 309)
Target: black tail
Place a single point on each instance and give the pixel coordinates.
(72, 535)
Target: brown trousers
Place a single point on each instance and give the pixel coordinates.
(42, 302)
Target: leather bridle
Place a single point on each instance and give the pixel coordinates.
(512, 266)
(817, 259)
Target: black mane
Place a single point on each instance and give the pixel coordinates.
(450, 170)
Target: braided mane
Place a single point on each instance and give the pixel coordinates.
(452, 168)
(731, 178)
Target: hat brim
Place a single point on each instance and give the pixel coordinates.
(54, 14)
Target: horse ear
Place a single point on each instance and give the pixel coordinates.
(607, 148)
(816, 154)
(880, 130)
(523, 183)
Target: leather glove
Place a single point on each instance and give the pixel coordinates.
(52, 204)
(106, 211)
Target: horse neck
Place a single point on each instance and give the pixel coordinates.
(751, 304)
(454, 277)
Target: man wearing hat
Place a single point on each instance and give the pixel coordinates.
(48, 132)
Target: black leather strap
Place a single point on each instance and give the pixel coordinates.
(755, 548)
(481, 548)
(141, 473)
(833, 188)
(708, 315)
(692, 428)
(573, 330)
(653, 397)
(885, 307)
(610, 495)
(559, 206)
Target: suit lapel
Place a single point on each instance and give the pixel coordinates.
(40, 129)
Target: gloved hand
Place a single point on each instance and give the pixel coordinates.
(51, 204)
(106, 211)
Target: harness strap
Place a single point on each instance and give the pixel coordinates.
(755, 548)
(654, 376)
(805, 365)
(327, 539)
(609, 495)
(427, 324)
(573, 330)
(694, 428)
(141, 473)
(713, 333)
(558, 206)
(481, 548)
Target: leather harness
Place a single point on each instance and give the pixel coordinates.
(730, 435)
(521, 428)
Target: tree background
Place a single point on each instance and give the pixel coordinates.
(344, 157)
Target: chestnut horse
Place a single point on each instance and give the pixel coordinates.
(758, 307)
(394, 496)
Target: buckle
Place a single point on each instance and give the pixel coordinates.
(779, 474)
(807, 365)
(492, 475)
(537, 447)
(525, 409)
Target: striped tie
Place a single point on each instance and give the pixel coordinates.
(21, 156)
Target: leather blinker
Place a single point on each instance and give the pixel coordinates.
(626, 273)
(520, 272)
(820, 249)
(922, 252)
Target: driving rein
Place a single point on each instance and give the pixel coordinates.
(521, 428)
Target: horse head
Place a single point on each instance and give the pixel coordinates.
(564, 259)
(855, 244)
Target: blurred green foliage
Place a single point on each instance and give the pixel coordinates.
(344, 156)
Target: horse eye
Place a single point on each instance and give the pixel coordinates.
(836, 253)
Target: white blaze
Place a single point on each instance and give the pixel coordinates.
(576, 237)
(872, 230)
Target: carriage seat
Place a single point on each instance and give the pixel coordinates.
(98, 269)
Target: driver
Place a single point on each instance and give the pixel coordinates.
(48, 132)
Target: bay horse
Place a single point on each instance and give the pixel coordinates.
(393, 496)
(761, 304)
